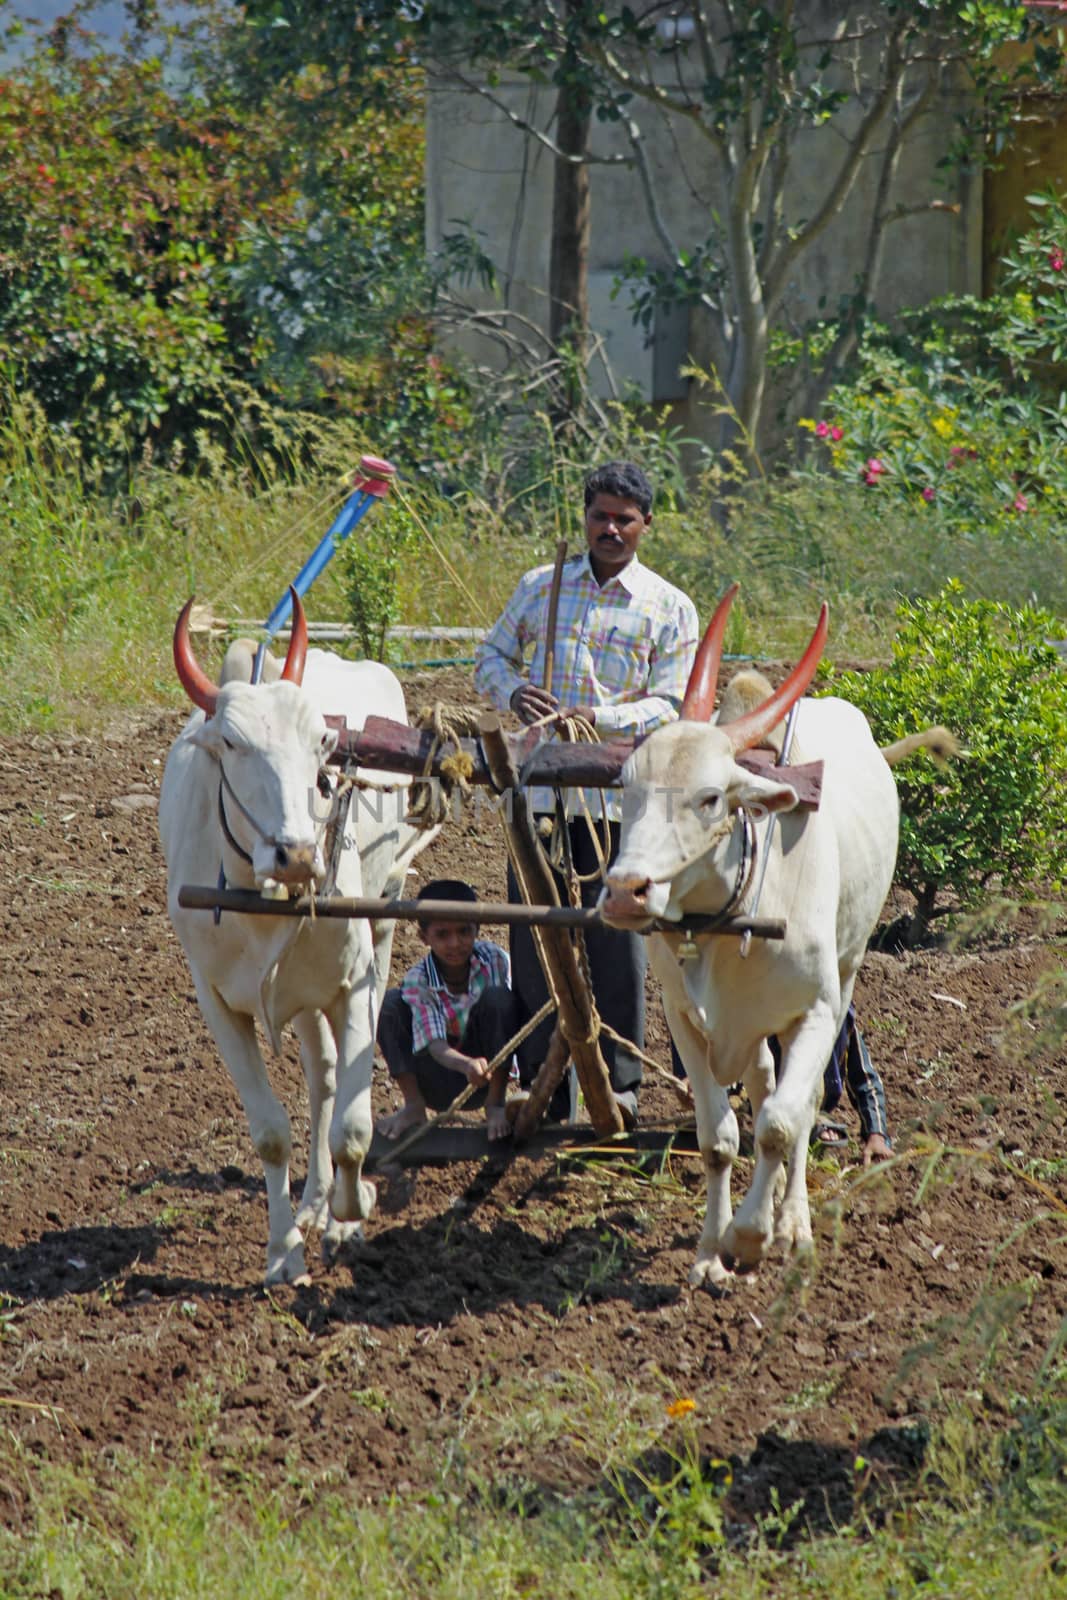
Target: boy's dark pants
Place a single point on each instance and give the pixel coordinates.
(617, 966)
(492, 1022)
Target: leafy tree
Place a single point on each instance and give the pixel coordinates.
(995, 816)
(754, 78)
(179, 263)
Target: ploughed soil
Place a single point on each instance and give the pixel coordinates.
(133, 1213)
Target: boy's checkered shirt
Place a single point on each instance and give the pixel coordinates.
(625, 647)
(437, 1014)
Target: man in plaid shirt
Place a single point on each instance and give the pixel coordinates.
(452, 1013)
(625, 641)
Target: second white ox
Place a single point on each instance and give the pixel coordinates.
(246, 786)
(689, 844)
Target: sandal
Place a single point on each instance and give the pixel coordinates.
(832, 1135)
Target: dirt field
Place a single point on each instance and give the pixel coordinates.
(134, 1219)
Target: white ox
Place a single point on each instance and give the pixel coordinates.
(245, 786)
(686, 846)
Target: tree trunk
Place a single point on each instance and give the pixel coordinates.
(568, 269)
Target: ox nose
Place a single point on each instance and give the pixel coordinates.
(294, 863)
(626, 897)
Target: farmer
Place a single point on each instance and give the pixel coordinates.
(852, 1069)
(624, 647)
(452, 1013)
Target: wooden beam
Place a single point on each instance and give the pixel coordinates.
(555, 947)
(209, 897)
(383, 745)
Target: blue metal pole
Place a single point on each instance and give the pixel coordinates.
(372, 485)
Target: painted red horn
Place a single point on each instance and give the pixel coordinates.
(196, 683)
(755, 725)
(699, 702)
(293, 671)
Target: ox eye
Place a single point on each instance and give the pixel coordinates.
(709, 805)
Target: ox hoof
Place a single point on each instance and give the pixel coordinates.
(711, 1273)
(747, 1246)
(313, 1214)
(340, 1240)
(794, 1234)
(287, 1265)
(353, 1198)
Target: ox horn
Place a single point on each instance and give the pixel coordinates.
(699, 702)
(196, 683)
(293, 671)
(755, 725)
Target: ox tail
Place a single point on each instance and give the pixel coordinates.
(940, 744)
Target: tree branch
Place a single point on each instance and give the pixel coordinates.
(841, 187)
(452, 76)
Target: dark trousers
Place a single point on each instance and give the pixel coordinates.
(491, 1023)
(850, 1068)
(617, 965)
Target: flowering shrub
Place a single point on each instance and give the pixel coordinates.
(963, 411)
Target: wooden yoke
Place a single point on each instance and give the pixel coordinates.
(555, 947)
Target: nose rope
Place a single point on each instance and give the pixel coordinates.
(253, 822)
(728, 826)
(746, 866)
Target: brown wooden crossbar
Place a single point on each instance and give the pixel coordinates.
(384, 745)
(207, 897)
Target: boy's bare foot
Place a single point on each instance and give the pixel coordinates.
(496, 1122)
(399, 1122)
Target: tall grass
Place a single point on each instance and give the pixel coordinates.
(972, 1527)
(91, 582)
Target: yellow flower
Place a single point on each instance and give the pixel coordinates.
(680, 1408)
(807, 422)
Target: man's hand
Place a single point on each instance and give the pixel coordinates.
(875, 1149)
(530, 703)
(584, 713)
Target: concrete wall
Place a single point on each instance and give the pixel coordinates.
(485, 173)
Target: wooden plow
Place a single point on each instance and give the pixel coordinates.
(508, 763)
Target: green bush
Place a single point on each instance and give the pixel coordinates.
(995, 817)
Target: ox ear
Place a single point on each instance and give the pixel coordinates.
(329, 744)
(756, 793)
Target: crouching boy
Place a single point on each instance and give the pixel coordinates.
(452, 1013)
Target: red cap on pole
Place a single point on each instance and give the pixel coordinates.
(374, 476)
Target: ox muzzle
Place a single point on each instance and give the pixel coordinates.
(630, 901)
(295, 865)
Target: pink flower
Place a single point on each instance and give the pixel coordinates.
(929, 493)
(874, 470)
(836, 433)
(1020, 503)
(822, 430)
(1056, 260)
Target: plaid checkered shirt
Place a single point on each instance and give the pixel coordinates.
(438, 1014)
(625, 647)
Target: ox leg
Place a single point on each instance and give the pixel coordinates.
(718, 1141)
(782, 1131)
(759, 1084)
(352, 1018)
(318, 1054)
(235, 1036)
